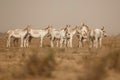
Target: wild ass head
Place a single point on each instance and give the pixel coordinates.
(49, 29)
(67, 29)
(27, 29)
(84, 30)
(104, 32)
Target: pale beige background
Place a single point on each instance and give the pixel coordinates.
(40, 13)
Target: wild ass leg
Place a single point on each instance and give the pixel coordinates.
(57, 43)
(51, 42)
(8, 41)
(21, 42)
(91, 43)
(70, 43)
(80, 42)
(15, 41)
(41, 40)
(61, 42)
(96, 43)
(64, 42)
(100, 42)
(27, 41)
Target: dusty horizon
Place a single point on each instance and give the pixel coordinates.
(58, 13)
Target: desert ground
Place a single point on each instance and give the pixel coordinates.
(35, 63)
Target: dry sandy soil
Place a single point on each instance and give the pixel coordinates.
(35, 63)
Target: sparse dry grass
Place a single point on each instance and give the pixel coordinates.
(40, 64)
(102, 61)
(60, 64)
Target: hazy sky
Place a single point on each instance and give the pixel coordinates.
(40, 13)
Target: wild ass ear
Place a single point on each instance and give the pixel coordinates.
(48, 27)
(26, 28)
(69, 25)
(66, 25)
(80, 27)
(77, 27)
(82, 24)
(28, 25)
(66, 28)
(102, 28)
(51, 26)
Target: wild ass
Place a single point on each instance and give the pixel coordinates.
(82, 35)
(14, 40)
(41, 33)
(69, 35)
(17, 34)
(59, 36)
(96, 36)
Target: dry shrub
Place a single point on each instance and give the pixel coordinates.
(61, 50)
(32, 64)
(113, 60)
(94, 68)
(113, 57)
(12, 72)
(100, 61)
(40, 64)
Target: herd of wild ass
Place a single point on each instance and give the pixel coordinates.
(63, 37)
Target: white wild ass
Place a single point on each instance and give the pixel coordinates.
(14, 40)
(59, 36)
(96, 36)
(17, 34)
(41, 33)
(69, 35)
(82, 35)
